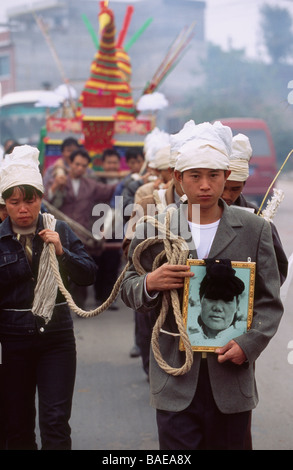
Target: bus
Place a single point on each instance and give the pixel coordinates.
(23, 114)
(263, 163)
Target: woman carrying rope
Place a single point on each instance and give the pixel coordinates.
(203, 400)
(36, 329)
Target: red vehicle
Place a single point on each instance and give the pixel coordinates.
(263, 163)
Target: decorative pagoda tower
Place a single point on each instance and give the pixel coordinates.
(106, 97)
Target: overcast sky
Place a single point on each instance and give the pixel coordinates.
(234, 22)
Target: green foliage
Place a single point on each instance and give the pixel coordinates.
(238, 87)
(276, 26)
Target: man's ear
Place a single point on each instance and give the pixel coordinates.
(227, 173)
(178, 176)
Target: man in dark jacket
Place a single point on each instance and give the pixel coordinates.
(75, 195)
(204, 402)
(232, 195)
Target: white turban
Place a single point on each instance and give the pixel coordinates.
(177, 140)
(199, 153)
(149, 138)
(240, 157)
(209, 147)
(21, 167)
(154, 141)
(161, 160)
(215, 134)
(225, 134)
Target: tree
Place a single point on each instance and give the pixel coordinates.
(234, 86)
(276, 25)
(237, 87)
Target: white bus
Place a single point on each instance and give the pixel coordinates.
(23, 114)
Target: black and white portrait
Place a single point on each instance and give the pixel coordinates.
(218, 302)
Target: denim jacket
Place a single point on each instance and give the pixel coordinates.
(18, 279)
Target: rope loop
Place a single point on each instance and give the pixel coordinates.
(175, 252)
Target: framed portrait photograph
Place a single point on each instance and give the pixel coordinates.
(217, 302)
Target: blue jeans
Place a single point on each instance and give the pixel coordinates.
(46, 363)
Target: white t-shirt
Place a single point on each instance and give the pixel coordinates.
(203, 236)
(75, 185)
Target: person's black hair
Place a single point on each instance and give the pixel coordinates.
(68, 142)
(82, 152)
(109, 152)
(220, 281)
(11, 147)
(133, 153)
(29, 192)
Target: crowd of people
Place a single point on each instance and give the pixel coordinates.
(202, 165)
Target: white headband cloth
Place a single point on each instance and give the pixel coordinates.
(21, 167)
(203, 145)
(201, 154)
(153, 142)
(177, 140)
(239, 170)
(161, 160)
(240, 157)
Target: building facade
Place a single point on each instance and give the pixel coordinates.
(7, 62)
(39, 61)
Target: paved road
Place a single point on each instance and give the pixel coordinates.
(273, 418)
(111, 403)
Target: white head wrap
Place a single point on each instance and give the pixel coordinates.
(240, 157)
(209, 147)
(225, 134)
(177, 140)
(214, 132)
(21, 167)
(161, 160)
(154, 141)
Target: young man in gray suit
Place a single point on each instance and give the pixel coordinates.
(208, 407)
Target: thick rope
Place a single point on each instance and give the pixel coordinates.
(46, 286)
(68, 297)
(176, 252)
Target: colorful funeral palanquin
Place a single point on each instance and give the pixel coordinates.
(107, 95)
(106, 115)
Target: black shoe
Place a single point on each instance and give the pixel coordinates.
(135, 351)
(113, 306)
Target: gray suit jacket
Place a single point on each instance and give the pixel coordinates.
(240, 236)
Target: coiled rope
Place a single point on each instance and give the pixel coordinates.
(176, 252)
